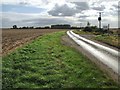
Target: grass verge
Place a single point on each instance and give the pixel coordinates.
(112, 40)
(82, 32)
(46, 63)
(109, 39)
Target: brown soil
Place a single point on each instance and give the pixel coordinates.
(12, 38)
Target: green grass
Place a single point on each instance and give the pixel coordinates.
(109, 39)
(112, 40)
(46, 63)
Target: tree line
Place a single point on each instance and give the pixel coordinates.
(57, 26)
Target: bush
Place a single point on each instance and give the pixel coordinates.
(89, 29)
(14, 26)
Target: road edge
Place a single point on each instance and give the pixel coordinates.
(66, 40)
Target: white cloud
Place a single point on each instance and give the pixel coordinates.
(70, 11)
(10, 19)
(63, 10)
(10, 1)
(77, 0)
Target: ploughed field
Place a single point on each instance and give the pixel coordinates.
(12, 38)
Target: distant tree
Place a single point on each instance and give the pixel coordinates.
(58, 26)
(94, 28)
(47, 27)
(24, 27)
(88, 24)
(87, 29)
(38, 28)
(31, 27)
(14, 26)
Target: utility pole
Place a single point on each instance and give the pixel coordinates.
(80, 25)
(99, 19)
(108, 26)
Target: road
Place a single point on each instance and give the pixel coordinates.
(104, 54)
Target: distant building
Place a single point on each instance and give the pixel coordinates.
(105, 27)
(64, 26)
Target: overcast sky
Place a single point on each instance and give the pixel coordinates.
(48, 12)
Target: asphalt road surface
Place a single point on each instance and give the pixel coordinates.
(104, 54)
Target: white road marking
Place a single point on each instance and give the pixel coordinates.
(108, 56)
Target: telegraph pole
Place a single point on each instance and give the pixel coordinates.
(108, 26)
(80, 25)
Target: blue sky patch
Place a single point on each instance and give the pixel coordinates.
(21, 9)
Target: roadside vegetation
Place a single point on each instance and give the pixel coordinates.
(46, 63)
(110, 37)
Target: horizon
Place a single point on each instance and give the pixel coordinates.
(47, 12)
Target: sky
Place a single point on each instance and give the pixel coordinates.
(48, 12)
